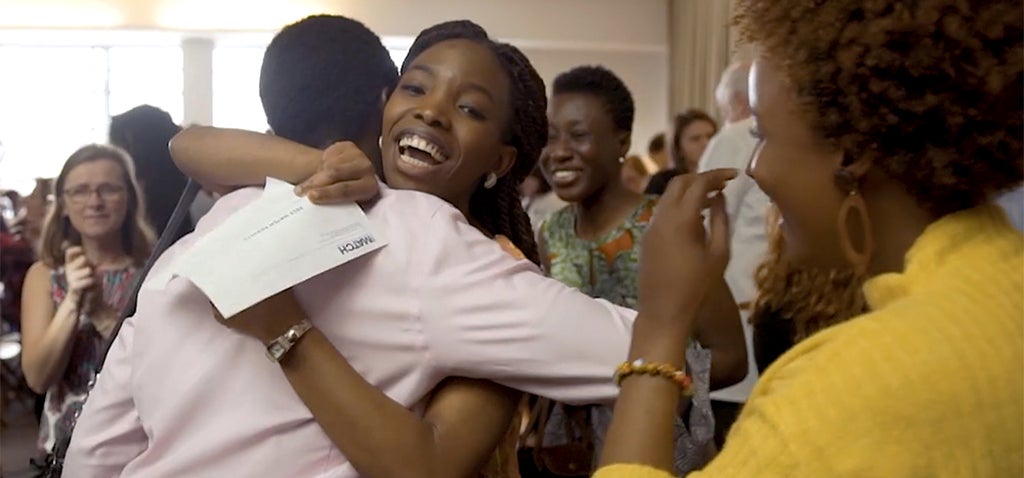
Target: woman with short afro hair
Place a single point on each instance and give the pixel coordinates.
(886, 129)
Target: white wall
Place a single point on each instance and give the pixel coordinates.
(644, 72)
(629, 37)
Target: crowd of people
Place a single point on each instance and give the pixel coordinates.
(823, 283)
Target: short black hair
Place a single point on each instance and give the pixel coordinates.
(657, 144)
(143, 132)
(322, 80)
(499, 209)
(601, 82)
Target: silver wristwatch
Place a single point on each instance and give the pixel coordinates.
(287, 340)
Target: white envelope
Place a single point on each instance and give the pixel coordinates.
(272, 244)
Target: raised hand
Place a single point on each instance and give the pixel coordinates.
(680, 259)
(345, 175)
(78, 272)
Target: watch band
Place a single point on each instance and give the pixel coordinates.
(281, 345)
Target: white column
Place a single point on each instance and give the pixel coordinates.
(198, 74)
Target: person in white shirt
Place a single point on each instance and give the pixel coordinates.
(747, 207)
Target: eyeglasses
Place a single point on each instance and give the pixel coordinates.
(81, 194)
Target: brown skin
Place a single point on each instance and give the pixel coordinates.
(582, 137)
(457, 94)
(791, 164)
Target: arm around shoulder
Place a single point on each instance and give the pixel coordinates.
(222, 158)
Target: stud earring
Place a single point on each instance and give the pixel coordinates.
(491, 180)
(622, 160)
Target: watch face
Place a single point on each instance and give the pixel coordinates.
(276, 350)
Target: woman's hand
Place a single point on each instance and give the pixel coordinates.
(268, 319)
(345, 175)
(680, 259)
(77, 272)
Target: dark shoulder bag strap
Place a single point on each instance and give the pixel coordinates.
(167, 237)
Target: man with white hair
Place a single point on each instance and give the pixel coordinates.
(731, 93)
(747, 206)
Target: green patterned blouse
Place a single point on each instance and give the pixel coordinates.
(605, 268)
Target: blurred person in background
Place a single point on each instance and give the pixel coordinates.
(144, 132)
(746, 205)
(538, 198)
(636, 173)
(94, 240)
(691, 133)
(657, 151)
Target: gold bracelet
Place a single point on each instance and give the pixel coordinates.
(657, 369)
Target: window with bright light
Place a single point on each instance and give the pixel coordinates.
(236, 92)
(146, 76)
(56, 99)
(236, 88)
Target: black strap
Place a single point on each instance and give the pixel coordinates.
(167, 237)
(55, 461)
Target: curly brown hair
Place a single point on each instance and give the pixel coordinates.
(930, 91)
(810, 298)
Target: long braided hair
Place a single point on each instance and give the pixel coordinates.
(498, 210)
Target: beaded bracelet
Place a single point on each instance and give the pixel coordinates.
(657, 369)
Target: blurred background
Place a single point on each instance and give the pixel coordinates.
(67, 66)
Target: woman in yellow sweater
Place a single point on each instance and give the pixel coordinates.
(885, 127)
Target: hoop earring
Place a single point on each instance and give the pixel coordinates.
(491, 180)
(380, 142)
(854, 206)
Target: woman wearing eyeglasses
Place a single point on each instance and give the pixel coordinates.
(94, 240)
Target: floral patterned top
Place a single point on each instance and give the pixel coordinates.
(607, 269)
(65, 399)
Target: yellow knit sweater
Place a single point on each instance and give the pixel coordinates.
(929, 384)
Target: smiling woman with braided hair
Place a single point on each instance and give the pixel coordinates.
(466, 122)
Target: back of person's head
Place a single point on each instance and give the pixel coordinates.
(137, 237)
(733, 92)
(602, 83)
(635, 173)
(499, 209)
(322, 81)
(657, 144)
(144, 132)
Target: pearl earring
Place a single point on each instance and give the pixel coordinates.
(622, 160)
(492, 179)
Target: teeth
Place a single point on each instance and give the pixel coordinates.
(565, 175)
(415, 162)
(422, 144)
